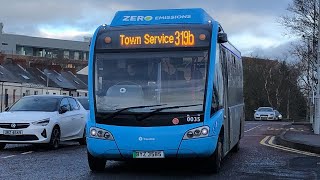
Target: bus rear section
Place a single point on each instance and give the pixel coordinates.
(151, 88)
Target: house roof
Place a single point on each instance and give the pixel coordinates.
(74, 80)
(22, 75)
(57, 78)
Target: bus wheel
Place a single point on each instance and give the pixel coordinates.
(2, 146)
(214, 161)
(96, 164)
(236, 148)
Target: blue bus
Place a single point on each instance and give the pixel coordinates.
(163, 84)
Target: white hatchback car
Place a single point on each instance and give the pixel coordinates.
(43, 119)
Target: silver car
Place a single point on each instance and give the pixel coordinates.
(265, 113)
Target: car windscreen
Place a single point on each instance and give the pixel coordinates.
(84, 102)
(36, 104)
(265, 109)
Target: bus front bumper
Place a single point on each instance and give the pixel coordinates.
(192, 148)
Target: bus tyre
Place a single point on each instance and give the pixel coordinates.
(2, 146)
(236, 148)
(96, 164)
(214, 161)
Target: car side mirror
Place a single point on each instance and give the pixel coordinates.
(6, 109)
(222, 38)
(63, 109)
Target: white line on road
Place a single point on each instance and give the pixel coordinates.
(253, 128)
(8, 156)
(270, 143)
(27, 152)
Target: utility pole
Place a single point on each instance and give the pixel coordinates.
(316, 125)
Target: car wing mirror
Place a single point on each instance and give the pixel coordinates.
(63, 109)
(6, 109)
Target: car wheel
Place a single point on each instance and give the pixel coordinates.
(83, 140)
(96, 164)
(214, 161)
(2, 145)
(55, 138)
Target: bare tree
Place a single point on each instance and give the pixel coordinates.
(302, 21)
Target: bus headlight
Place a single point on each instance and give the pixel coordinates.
(197, 133)
(100, 134)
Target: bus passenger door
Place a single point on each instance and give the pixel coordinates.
(224, 65)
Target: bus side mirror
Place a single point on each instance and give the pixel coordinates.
(222, 37)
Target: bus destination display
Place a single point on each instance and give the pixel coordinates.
(183, 38)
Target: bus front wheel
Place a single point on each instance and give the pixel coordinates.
(96, 164)
(214, 161)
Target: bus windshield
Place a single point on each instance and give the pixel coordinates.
(173, 78)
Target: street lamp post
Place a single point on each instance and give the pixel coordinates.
(316, 125)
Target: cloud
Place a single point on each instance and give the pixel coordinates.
(250, 23)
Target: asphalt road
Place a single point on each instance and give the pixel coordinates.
(258, 158)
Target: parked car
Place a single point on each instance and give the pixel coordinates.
(84, 101)
(266, 113)
(43, 119)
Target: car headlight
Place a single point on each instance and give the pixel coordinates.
(197, 133)
(100, 134)
(42, 122)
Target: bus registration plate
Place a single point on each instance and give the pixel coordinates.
(148, 154)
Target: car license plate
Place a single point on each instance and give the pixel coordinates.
(12, 132)
(148, 154)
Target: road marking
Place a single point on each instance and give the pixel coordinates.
(270, 143)
(253, 135)
(8, 156)
(27, 152)
(253, 128)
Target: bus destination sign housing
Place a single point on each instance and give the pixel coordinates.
(170, 37)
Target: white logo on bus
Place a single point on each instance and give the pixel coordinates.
(146, 139)
(137, 18)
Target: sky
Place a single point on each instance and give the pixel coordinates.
(252, 25)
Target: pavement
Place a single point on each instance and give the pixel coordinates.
(299, 136)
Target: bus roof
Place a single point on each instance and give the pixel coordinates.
(162, 16)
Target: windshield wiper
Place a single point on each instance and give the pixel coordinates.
(161, 109)
(128, 108)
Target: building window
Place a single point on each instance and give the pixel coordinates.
(27, 92)
(85, 94)
(59, 79)
(78, 94)
(66, 54)
(14, 96)
(35, 92)
(84, 56)
(76, 55)
(64, 93)
(47, 92)
(6, 98)
(54, 93)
